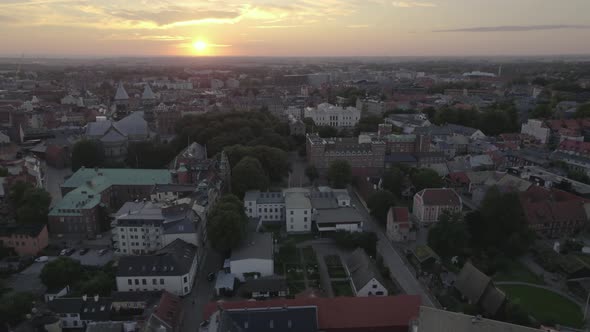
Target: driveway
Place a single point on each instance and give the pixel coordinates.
(391, 258)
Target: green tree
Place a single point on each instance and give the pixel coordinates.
(449, 237)
(274, 160)
(379, 203)
(542, 111)
(226, 225)
(339, 174)
(87, 153)
(583, 111)
(426, 178)
(61, 272)
(3, 172)
(393, 179)
(99, 282)
(327, 131)
(368, 124)
(248, 175)
(31, 204)
(14, 307)
(149, 155)
(312, 173)
(579, 176)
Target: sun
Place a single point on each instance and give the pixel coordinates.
(199, 46)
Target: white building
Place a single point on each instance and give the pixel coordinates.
(173, 269)
(145, 227)
(537, 129)
(329, 115)
(365, 278)
(298, 212)
(254, 256)
(429, 204)
(268, 206)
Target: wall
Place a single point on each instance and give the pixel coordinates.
(298, 220)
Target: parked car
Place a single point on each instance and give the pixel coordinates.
(41, 259)
(102, 252)
(70, 251)
(63, 252)
(83, 251)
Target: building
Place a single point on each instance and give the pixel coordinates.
(167, 315)
(537, 129)
(332, 211)
(370, 106)
(351, 314)
(365, 155)
(89, 191)
(398, 224)
(479, 289)
(253, 257)
(429, 204)
(144, 227)
(24, 239)
(365, 279)
(77, 312)
(438, 320)
(335, 116)
(552, 212)
(172, 269)
(263, 288)
(266, 206)
(297, 212)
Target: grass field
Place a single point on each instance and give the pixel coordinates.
(546, 306)
(516, 271)
(341, 288)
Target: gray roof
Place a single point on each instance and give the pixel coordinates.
(267, 197)
(472, 283)
(340, 215)
(105, 327)
(121, 94)
(173, 260)
(256, 245)
(134, 124)
(269, 284)
(297, 201)
(148, 93)
(225, 280)
(361, 269)
(113, 135)
(323, 200)
(91, 309)
(302, 319)
(437, 320)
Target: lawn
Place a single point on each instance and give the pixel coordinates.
(516, 271)
(546, 306)
(341, 288)
(309, 256)
(335, 268)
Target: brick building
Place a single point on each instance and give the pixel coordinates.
(24, 239)
(364, 154)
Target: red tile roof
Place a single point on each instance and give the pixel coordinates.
(169, 309)
(343, 313)
(400, 214)
(439, 196)
(574, 146)
(542, 206)
(459, 177)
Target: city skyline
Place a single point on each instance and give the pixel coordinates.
(293, 28)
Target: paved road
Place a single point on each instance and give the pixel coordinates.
(203, 291)
(391, 257)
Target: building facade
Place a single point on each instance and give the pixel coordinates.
(329, 115)
(24, 239)
(429, 204)
(362, 153)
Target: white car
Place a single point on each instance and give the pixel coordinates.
(63, 252)
(42, 259)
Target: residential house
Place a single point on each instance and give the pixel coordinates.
(479, 289)
(429, 204)
(144, 227)
(365, 278)
(537, 129)
(352, 314)
(266, 206)
(398, 226)
(553, 212)
(167, 315)
(173, 269)
(262, 288)
(297, 211)
(77, 312)
(24, 239)
(254, 256)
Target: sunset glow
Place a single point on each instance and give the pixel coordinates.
(294, 27)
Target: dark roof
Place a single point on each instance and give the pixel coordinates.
(135, 296)
(270, 284)
(472, 283)
(174, 259)
(360, 313)
(400, 157)
(275, 319)
(439, 196)
(255, 245)
(93, 309)
(361, 269)
(31, 230)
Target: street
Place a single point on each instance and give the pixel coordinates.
(203, 291)
(391, 257)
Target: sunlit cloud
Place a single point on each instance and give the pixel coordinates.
(411, 4)
(358, 26)
(516, 28)
(276, 26)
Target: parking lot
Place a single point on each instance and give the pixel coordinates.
(92, 258)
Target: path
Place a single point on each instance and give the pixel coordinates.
(391, 258)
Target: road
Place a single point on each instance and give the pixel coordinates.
(203, 291)
(391, 257)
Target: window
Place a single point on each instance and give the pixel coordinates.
(75, 323)
(185, 289)
(374, 286)
(154, 281)
(161, 281)
(129, 282)
(291, 226)
(304, 211)
(137, 281)
(304, 218)
(291, 212)
(143, 282)
(185, 279)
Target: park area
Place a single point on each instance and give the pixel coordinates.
(299, 266)
(545, 306)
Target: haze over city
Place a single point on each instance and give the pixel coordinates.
(293, 28)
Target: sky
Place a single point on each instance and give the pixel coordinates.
(293, 27)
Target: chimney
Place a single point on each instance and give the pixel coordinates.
(96, 298)
(84, 297)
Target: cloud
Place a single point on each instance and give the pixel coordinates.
(516, 28)
(175, 16)
(276, 26)
(411, 4)
(358, 26)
